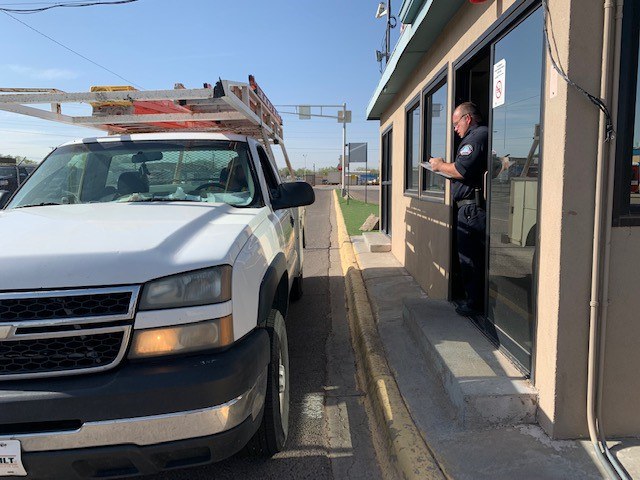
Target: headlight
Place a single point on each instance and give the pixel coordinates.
(202, 287)
(193, 337)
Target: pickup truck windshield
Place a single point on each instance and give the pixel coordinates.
(210, 171)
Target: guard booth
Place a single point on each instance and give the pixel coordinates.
(550, 228)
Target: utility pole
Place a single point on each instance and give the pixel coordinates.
(344, 116)
(388, 52)
(344, 145)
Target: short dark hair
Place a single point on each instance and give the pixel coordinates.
(470, 108)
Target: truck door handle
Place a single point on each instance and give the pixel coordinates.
(291, 220)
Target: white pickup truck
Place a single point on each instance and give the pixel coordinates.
(145, 281)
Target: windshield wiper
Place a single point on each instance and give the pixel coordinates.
(163, 199)
(43, 204)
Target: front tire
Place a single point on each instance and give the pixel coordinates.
(273, 431)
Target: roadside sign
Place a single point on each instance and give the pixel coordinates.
(344, 116)
(358, 152)
(304, 112)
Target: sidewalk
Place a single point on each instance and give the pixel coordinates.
(460, 443)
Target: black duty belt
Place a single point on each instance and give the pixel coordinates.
(462, 203)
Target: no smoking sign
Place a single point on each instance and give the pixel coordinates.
(499, 82)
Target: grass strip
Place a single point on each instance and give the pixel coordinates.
(355, 213)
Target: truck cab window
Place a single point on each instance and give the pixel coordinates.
(269, 175)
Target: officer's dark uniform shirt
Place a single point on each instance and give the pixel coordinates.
(471, 162)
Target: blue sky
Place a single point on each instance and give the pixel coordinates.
(301, 52)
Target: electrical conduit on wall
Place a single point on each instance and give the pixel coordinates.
(602, 245)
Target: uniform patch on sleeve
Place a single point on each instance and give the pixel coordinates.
(466, 150)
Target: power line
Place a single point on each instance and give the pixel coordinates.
(5, 4)
(73, 51)
(28, 11)
(550, 42)
(27, 132)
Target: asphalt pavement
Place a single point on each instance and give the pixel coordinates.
(371, 193)
(329, 436)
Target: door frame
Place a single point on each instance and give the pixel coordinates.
(511, 18)
(386, 186)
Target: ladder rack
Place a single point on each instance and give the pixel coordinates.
(227, 107)
(232, 107)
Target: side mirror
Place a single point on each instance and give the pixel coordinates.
(293, 194)
(4, 197)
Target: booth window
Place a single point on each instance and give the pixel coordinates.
(627, 198)
(412, 148)
(435, 134)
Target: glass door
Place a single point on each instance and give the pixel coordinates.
(517, 73)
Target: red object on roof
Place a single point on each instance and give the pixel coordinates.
(167, 106)
(477, 1)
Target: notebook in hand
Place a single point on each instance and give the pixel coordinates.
(428, 166)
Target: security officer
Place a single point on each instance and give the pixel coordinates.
(467, 176)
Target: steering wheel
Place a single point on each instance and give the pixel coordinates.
(204, 186)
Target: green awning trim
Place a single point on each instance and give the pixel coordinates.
(409, 10)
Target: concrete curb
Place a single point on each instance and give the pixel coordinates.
(407, 449)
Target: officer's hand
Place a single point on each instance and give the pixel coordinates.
(435, 163)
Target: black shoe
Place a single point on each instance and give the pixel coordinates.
(466, 311)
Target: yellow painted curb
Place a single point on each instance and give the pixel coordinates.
(407, 448)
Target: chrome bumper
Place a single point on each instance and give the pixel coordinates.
(154, 429)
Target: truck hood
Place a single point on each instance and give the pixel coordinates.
(117, 243)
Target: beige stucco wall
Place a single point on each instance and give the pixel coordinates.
(421, 233)
(566, 222)
(566, 245)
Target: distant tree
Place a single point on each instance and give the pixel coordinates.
(324, 171)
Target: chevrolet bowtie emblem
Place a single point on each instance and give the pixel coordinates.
(5, 331)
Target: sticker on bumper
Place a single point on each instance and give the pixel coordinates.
(10, 459)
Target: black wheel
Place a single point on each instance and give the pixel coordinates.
(272, 434)
(296, 288)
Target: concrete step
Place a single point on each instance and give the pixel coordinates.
(377, 242)
(483, 386)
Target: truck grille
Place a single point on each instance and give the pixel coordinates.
(43, 308)
(59, 354)
(64, 332)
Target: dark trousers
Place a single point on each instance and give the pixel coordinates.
(471, 252)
